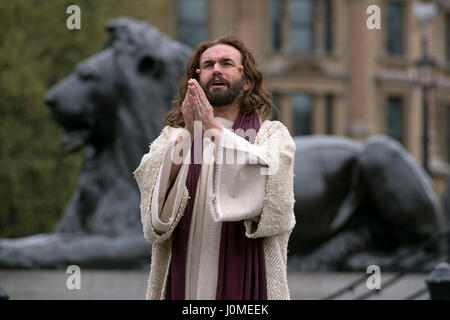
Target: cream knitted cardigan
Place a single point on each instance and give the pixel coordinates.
(276, 221)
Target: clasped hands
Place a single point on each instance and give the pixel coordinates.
(196, 108)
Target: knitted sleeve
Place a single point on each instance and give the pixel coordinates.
(277, 216)
(146, 176)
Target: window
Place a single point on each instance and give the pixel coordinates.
(395, 28)
(276, 24)
(301, 112)
(328, 36)
(301, 14)
(293, 24)
(192, 21)
(276, 109)
(329, 114)
(395, 118)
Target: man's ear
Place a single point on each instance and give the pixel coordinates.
(247, 85)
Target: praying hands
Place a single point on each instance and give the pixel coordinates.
(196, 107)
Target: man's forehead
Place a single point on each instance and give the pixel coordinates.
(221, 51)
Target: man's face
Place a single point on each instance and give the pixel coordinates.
(221, 77)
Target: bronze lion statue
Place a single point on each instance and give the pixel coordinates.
(113, 105)
(362, 204)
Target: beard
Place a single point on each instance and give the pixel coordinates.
(220, 97)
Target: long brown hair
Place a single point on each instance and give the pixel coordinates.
(256, 98)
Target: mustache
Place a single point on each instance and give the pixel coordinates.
(217, 77)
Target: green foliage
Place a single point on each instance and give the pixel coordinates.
(36, 51)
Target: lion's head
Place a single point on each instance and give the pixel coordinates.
(136, 73)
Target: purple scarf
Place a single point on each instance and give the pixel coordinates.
(242, 270)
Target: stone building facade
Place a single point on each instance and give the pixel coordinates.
(329, 73)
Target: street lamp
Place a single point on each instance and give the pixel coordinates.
(425, 12)
(426, 67)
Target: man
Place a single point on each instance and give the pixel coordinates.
(217, 185)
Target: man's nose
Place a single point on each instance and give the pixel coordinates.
(217, 68)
